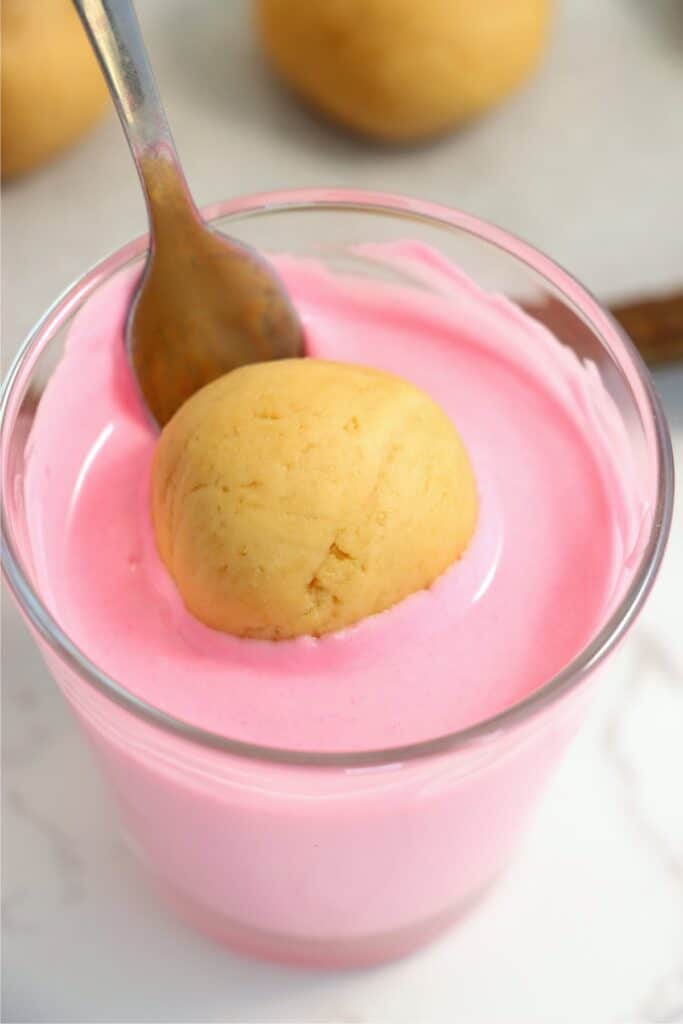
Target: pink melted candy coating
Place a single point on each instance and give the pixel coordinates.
(341, 866)
(549, 556)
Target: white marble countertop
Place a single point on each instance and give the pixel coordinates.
(587, 163)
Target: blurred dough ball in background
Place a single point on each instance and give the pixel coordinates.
(52, 87)
(401, 70)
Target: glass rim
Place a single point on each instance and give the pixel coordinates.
(365, 201)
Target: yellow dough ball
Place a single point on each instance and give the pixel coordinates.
(52, 87)
(299, 496)
(400, 70)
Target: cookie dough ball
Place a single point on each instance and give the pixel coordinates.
(400, 70)
(299, 496)
(52, 88)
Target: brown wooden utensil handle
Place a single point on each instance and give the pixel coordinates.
(655, 325)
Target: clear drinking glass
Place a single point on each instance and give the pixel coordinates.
(318, 857)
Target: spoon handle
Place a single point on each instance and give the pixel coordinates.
(655, 324)
(115, 35)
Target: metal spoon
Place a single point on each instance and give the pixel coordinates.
(206, 303)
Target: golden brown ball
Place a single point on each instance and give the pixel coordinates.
(52, 88)
(300, 496)
(401, 70)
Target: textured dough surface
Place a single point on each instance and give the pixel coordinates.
(403, 69)
(300, 496)
(52, 88)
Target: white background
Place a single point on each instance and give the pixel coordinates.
(586, 163)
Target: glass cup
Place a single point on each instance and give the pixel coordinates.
(312, 856)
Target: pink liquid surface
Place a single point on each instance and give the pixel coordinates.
(529, 593)
(341, 866)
